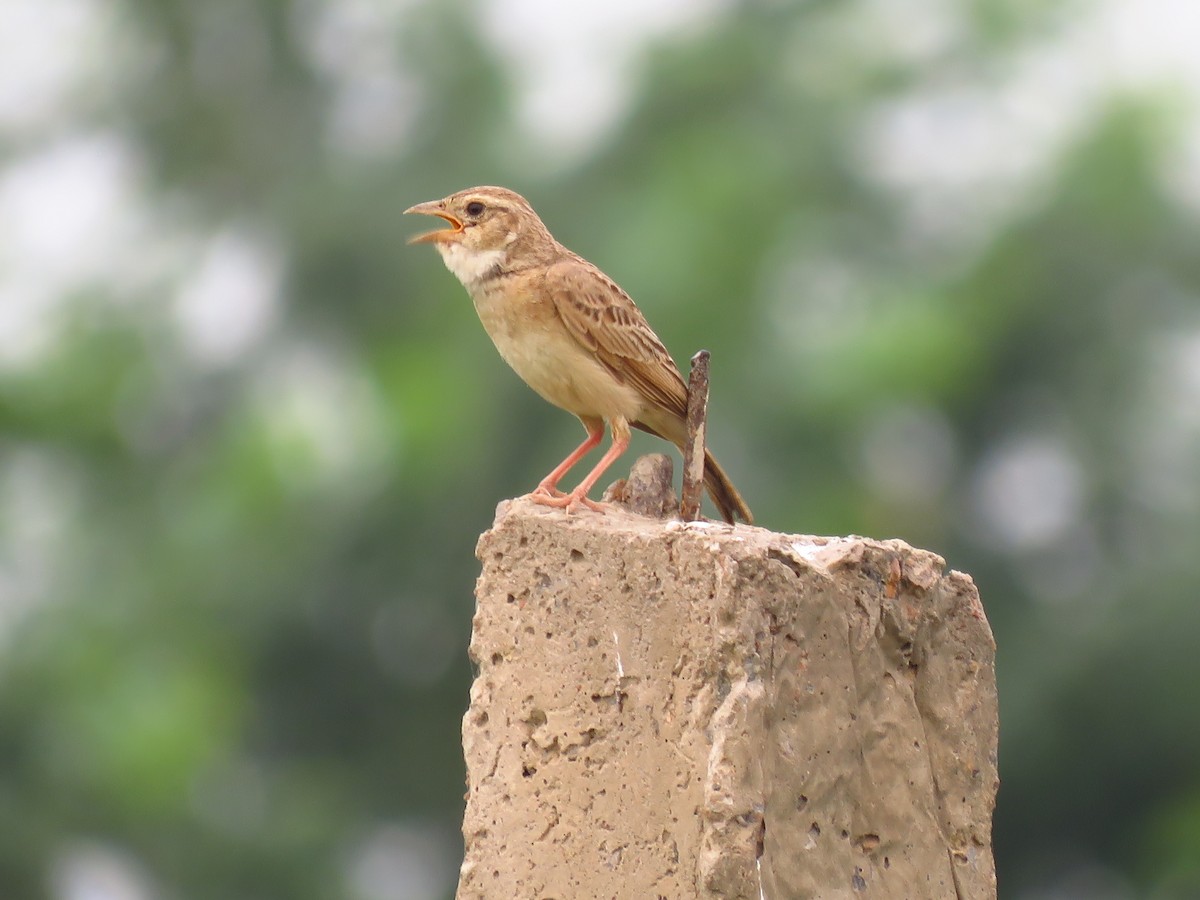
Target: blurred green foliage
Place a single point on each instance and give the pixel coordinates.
(946, 300)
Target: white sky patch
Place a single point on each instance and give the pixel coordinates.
(229, 303)
(573, 66)
(1154, 44)
(1029, 493)
(70, 214)
(965, 154)
(573, 62)
(402, 859)
(324, 421)
(352, 43)
(1147, 43)
(1183, 355)
(66, 210)
(1164, 431)
(1181, 169)
(43, 57)
(371, 114)
(91, 870)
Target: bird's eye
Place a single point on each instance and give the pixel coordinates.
(474, 208)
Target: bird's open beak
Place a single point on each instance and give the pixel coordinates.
(435, 208)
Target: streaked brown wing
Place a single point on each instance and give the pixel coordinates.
(605, 320)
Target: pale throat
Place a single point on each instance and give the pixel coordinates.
(470, 266)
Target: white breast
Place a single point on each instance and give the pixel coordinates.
(469, 266)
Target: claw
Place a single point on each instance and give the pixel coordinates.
(590, 504)
(546, 499)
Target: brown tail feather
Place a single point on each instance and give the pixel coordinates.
(723, 493)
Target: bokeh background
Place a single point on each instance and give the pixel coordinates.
(945, 253)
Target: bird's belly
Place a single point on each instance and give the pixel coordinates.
(555, 365)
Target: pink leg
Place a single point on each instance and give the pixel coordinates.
(578, 496)
(548, 486)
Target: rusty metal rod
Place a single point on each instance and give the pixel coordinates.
(693, 453)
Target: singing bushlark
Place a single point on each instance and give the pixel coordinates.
(569, 331)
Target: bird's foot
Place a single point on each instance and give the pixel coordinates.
(546, 492)
(590, 504)
(570, 502)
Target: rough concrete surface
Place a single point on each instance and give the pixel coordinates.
(697, 711)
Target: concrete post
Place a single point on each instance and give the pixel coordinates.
(700, 711)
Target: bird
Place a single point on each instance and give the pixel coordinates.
(570, 332)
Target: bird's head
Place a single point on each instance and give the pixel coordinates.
(490, 222)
